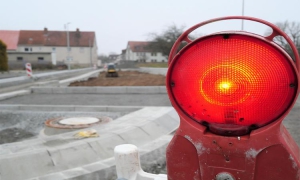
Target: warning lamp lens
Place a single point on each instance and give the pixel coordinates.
(238, 80)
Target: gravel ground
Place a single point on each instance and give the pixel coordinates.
(14, 134)
(20, 125)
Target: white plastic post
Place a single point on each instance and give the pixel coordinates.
(128, 164)
(127, 161)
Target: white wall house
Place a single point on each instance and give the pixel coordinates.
(51, 47)
(137, 51)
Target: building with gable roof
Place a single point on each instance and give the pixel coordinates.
(138, 51)
(10, 38)
(50, 47)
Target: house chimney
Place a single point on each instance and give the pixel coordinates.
(45, 30)
(77, 34)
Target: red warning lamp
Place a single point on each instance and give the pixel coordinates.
(233, 81)
(232, 90)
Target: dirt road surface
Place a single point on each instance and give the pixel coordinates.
(126, 78)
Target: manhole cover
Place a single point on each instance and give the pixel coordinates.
(76, 122)
(79, 121)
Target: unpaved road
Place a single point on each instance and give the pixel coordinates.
(126, 78)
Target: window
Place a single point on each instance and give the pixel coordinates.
(53, 49)
(19, 58)
(153, 54)
(26, 49)
(40, 58)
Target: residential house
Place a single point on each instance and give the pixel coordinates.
(113, 57)
(138, 51)
(10, 38)
(51, 47)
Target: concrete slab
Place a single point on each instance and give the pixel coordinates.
(22, 80)
(111, 90)
(101, 90)
(72, 156)
(91, 99)
(47, 83)
(81, 90)
(66, 82)
(104, 147)
(63, 154)
(14, 94)
(37, 163)
(56, 176)
(143, 90)
(70, 108)
(72, 173)
(151, 154)
(41, 90)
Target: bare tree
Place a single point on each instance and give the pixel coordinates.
(292, 29)
(164, 41)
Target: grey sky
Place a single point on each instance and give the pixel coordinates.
(118, 21)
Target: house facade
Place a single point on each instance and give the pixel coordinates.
(52, 47)
(137, 51)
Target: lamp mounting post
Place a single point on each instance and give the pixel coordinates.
(68, 45)
(243, 12)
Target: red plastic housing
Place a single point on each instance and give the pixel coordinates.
(231, 82)
(222, 86)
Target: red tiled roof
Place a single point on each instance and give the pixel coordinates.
(139, 46)
(56, 38)
(10, 38)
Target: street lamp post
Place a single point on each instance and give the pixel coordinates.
(243, 5)
(90, 47)
(68, 45)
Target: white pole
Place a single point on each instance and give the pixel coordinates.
(68, 45)
(243, 6)
(90, 44)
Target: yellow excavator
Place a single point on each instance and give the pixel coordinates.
(111, 71)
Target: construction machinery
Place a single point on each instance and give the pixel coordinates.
(111, 71)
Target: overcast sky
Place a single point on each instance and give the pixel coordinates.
(118, 21)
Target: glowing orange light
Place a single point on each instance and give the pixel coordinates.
(233, 80)
(225, 86)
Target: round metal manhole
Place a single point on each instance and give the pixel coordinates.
(76, 122)
(79, 121)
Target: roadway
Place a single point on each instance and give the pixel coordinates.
(91, 99)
